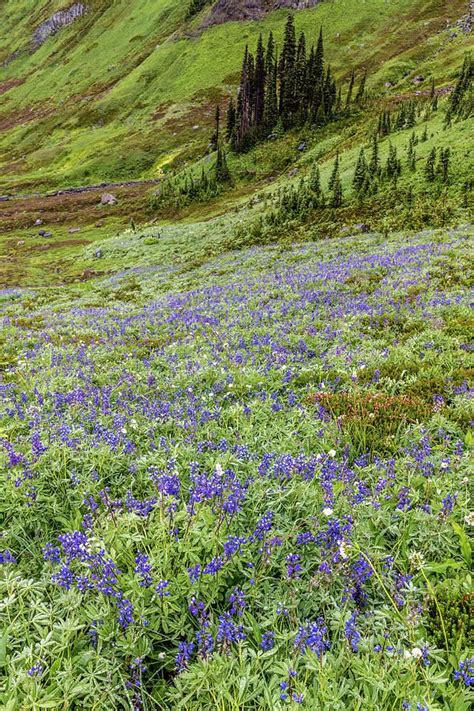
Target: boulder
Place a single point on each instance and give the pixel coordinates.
(108, 199)
(38, 223)
(98, 254)
(73, 230)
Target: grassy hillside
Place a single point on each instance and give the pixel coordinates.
(131, 87)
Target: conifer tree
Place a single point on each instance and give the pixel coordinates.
(443, 166)
(315, 182)
(337, 196)
(393, 166)
(216, 135)
(221, 169)
(411, 153)
(287, 73)
(359, 181)
(374, 163)
(361, 91)
(461, 101)
(230, 122)
(319, 58)
(260, 78)
(350, 90)
(301, 79)
(335, 173)
(430, 166)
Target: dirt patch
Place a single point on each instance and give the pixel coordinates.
(7, 85)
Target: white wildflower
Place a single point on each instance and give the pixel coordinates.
(416, 652)
(343, 551)
(469, 519)
(332, 453)
(328, 511)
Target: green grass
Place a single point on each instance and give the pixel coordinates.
(102, 79)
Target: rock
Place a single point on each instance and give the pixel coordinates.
(362, 228)
(302, 146)
(108, 199)
(43, 233)
(419, 79)
(73, 230)
(293, 172)
(230, 10)
(20, 242)
(38, 223)
(98, 254)
(56, 22)
(99, 224)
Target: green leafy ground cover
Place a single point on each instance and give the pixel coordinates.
(242, 484)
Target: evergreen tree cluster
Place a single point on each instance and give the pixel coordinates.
(285, 91)
(438, 168)
(461, 101)
(405, 117)
(180, 192)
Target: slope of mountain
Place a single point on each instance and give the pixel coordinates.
(129, 87)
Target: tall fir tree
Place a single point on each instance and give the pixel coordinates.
(350, 91)
(443, 165)
(221, 169)
(260, 78)
(287, 77)
(216, 134)
(337, 195)
(230, 121)
(301, 79)
(315, 182)
(430, 166)
(360, 96)
(360, 180)
(335, 173)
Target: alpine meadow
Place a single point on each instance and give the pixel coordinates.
(236, 355)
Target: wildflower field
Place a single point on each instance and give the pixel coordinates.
(242, 486)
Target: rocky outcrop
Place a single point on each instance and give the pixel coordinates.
(228, 10)
(57, 21)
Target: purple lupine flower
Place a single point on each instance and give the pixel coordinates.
(205, 643)
(465, 672)
(143, 568)
(238, 602)
(313, 636)
(283, 690)
(7, 558)
(293, 567)
(264, 525)
(268, 641)
(214, 565)
(228, 631)
(125, 610)
(351, 632)
(232, 545)
(183, 657)
(64, 577)
(194, 573)
(36, 670)
(161, 589)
